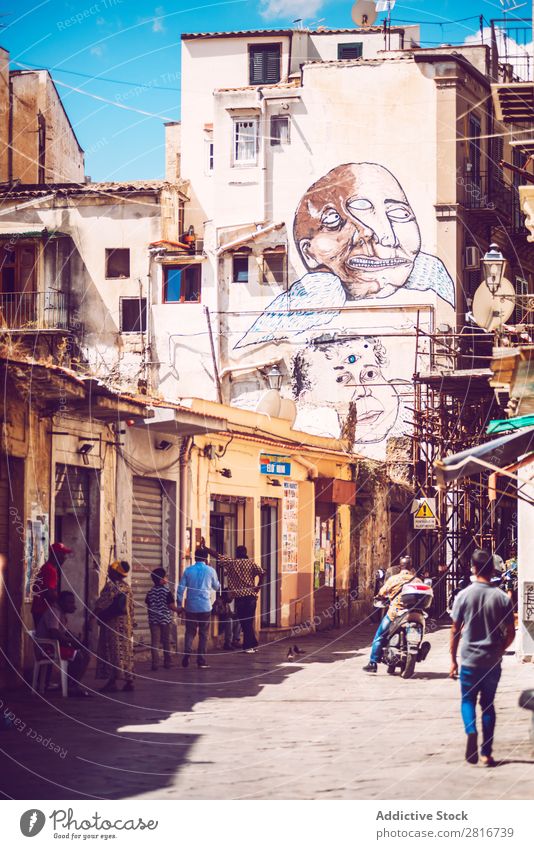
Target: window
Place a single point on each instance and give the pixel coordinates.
(41, 134)
(182, 284)
(245, 141)
(18, 267)
(181, 217)
(240, 268)
(133, 315)
(279, 130)
(117, 263)
(265, 64)
(350, 51)
(274, 268)
(209, 155)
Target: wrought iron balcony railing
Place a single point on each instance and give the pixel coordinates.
(34, 310)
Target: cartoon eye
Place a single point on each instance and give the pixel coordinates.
(331, 219)
(359, 204)
(352, 358)
(400, 213)
(368, 374)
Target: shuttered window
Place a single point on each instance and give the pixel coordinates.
(350, 51)
(265, 64)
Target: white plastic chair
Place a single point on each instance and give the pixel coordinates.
(44, 659)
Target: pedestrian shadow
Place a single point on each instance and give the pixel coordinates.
(429, 676)
(509, 761)
(119, 746)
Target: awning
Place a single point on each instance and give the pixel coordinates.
(173, 422)
(497, 426)
(492, 455)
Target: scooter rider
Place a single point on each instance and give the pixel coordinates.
(391, 590)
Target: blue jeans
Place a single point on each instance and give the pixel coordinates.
(379, 639)
(472, 682)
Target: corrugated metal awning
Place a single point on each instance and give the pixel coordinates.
(493, 455)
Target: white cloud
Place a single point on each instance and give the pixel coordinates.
(157, 22)
(288, 10)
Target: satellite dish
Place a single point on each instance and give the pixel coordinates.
(288, 410)
(364, 13)
(270, 403)
(491, 311)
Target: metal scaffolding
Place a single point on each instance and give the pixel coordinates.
(452, 408)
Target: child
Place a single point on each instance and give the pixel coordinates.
(160, 604)
(228, 618)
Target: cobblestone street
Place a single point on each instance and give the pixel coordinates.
(263, 727)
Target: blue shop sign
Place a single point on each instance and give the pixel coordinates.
(274, 464)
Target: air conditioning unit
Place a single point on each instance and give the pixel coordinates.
(472, 257)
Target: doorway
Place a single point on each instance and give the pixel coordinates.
(76, 525)
(269, 562)
(324, 581)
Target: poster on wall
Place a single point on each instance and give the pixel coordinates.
(528, 602)
(290, 527)
(36, 548)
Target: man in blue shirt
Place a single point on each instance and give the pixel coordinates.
(199, 580)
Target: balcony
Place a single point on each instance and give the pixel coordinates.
(35, 311)
(485, 193)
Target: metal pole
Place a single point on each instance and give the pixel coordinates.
(213, 357)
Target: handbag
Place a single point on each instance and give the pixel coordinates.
(116, 608)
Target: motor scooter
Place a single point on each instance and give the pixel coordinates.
(405, 645)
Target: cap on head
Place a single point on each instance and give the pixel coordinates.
(120, 567)
(60, 548)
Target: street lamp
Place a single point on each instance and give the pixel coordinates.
(274, 377)
(493, 264)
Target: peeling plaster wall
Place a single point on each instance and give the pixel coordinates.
(34, 92)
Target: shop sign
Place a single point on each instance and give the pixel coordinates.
(274, 464)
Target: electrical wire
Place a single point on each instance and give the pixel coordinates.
(42, 67)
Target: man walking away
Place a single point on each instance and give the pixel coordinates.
(198, 582)
(241, 573)
(46, 585)
(160, 605)
(483, 619)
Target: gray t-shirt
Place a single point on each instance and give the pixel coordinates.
(484, 612)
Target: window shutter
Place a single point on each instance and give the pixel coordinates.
(272, 65)
(350, 51)
(264, 68)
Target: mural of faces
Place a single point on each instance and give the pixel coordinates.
(358, 364)
(357, 223)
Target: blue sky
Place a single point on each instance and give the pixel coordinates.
(128, 52)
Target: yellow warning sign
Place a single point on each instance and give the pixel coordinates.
(424, 512)
(425, 515)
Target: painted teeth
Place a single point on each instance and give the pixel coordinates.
(357, 262)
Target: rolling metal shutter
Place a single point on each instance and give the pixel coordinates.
(147, 546)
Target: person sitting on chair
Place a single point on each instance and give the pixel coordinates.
(53, 625)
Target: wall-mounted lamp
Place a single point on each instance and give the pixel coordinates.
(274, 377)
(163, 445)
(493, 264)
(226, 473)
(273, 482)
(85, 449)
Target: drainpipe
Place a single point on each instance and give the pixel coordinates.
(312, 469)
(183, 500)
